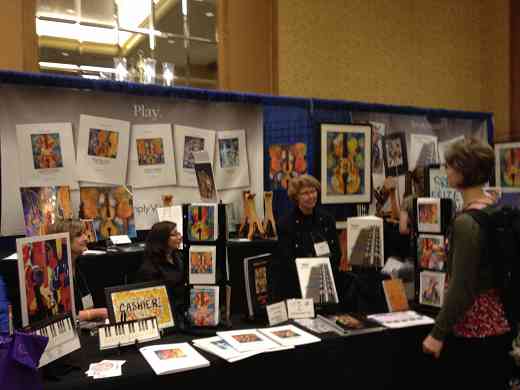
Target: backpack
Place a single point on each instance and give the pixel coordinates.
(501, 225)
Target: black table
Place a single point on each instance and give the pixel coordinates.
(390, 359)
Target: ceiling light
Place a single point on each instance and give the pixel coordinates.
(90, 76)
(65, 54)
(171, 41)
(209, 14)
(57, 65)
(97, 69)
(185, 7)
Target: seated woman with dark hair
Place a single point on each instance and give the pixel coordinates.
(163, 260)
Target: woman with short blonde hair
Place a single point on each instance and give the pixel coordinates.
(306, 231)
(298, 182)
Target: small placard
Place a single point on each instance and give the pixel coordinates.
(322, 248)
(120, 240)
(87, 302)
(300, 308)
(277, 313)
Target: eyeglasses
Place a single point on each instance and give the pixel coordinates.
(175, 233)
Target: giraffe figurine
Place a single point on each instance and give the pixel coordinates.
(269, 223)
(251, 221)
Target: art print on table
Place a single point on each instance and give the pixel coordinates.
(142, 300)
(429, 215)
(46, 154)
(431, 291)
(346, 159)
(395, 156)
(285, 162)
(174, 353)
(42, 206)
(202, 222)
(232, 167)
(202, 264)
(110, 208)
(431, 252)
(246, 338)
(204, 306)
(507, 166)
(45, 277)
(378, 132)
(102, 150)
(103, 143)
(189, 140)
(152, 162)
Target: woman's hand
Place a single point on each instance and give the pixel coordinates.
(93, 314)
(432, 346)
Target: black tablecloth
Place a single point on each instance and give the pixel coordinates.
(391, 359)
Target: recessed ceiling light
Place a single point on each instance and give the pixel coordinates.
(210, 14)
(65, 54)
(70, 11)
(171, 41)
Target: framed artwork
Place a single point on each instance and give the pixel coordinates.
(102, 150)
(346, 159)
(152, 162)
(46, 155)
(45, 277)
(285, 162)
(431, 288)
(204, 306)
(202, 264)
(205, 178)
(423, 150)
(188, 140)
(42, 206)
(507, 166)
(202, 222)
(140, 300)
(110, 208)
(232, 166)
(431, 252)
(436, 185)
(395, 156)
(378, 132)
(429, 215)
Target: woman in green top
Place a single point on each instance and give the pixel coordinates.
(471, 329)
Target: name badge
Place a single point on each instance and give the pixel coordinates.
(87, 302)
(322, 248)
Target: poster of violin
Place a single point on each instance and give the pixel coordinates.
(507, 166)
(285, 162)
(346, 159)
(44, 270)
(46, 154)
(42, 206)
(202, 222)
(110, 208)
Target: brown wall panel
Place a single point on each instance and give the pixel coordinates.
(246, 55)
(515, 70)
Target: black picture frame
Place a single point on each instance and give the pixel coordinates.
(115, 315)
(398, 165)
